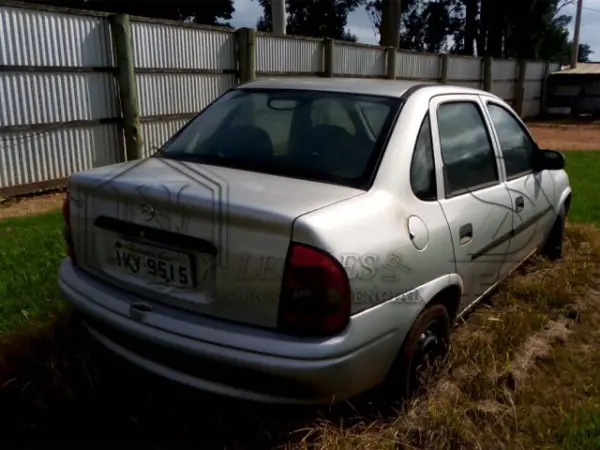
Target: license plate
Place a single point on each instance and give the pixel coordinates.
(153, 264)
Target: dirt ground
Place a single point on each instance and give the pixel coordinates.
(26, 206)
(566, 137)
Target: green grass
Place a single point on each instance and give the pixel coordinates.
(583, 428)
(31, 249)
(583, 169)
(583, 431)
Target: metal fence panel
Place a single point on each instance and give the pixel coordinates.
(29, 37)
(532, 90)
(155, 134)
(168, 94)
(504, 69)
(31, 157)
(469, 84)
(463, 68)
(531, 108)
(504, 90)
(420, 66)
(28, 98)
(157, 45)
(283, 76)
(534, 70)
(277, 54)
(359, 60)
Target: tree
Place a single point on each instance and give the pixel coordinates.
(528, 29)
(313, 18)
(555, 41)
(584, 53)
(375, 7)
(424, 26)
(211, 12)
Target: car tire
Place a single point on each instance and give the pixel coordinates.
(553, 247)
(426, 345)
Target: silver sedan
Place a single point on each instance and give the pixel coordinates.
(304, 241)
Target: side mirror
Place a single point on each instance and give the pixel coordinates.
(548, 160)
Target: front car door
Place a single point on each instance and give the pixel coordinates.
(532, 193)
(475, 201)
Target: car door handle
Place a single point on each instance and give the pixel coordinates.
(465, 233)
(519, 203)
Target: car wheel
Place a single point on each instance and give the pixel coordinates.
(553, 248)
(424, 348)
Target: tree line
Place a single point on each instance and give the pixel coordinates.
(529, 29)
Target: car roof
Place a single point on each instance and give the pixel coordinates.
(364, 86)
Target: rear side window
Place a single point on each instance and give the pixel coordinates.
(422, 169)
(469, 159)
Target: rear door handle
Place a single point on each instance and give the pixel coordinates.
(519, 204)
(465, 233)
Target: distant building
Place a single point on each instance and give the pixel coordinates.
(574, 91)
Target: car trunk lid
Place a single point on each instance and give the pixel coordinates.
(208, 239)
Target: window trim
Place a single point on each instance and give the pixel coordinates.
(491, 101)
(437, 102)
(477, 188)
(412, 161)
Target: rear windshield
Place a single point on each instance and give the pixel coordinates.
(320, 136)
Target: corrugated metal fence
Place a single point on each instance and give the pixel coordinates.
(179, 69)
(58, 99)
(59, 108)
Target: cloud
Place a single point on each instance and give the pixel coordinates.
(590, 23)
(246, 13)
(359, 24)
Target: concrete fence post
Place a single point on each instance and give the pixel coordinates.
(122, 43)
(544, 89)
(519, 94)
(391, 56)
(444, 67)
(487, 73)
(328, 57)
(246, 54)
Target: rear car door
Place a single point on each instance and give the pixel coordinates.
(475, 201)
(531, 193)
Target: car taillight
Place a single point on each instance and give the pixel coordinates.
(68, 233)
(315, 295)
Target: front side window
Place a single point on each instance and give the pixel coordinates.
(517, 147)
(305, 134)
(467, 152)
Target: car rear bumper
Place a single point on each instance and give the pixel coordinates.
(291, 377)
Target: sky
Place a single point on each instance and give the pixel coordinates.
(247, 13)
